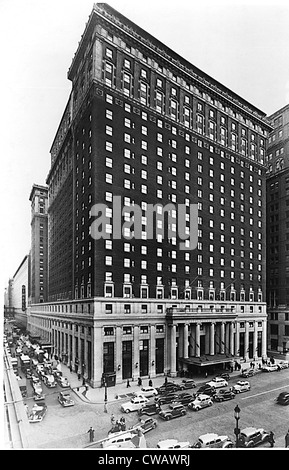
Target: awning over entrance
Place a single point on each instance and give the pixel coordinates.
(208, 360)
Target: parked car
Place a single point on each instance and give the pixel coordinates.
(62, 381)
(168, 387)
(187, 383)
(37, 388)
(172, 411)
(270, 368)
(212, 440)
(173, 444)
(147, 424)
(118, 439)
(201, 401)
(283, 364)
(184, 398)
(134, 404)
(252, 437)
(150, 409)
(38, 397)
(224, 395)
(242, 386)
(248, 373)
(283, 398)
(218, 382)
(146, 392)
(37, 413)
(169, 398)
(65, 399)
(207, 390)
(224, 375)
(28, 373)
(49, 381)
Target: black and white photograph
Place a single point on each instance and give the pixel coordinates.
(145, 228)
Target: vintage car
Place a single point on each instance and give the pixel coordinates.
(146, 392)
(65, 399)
(242, 386)
(165, 399)
(37, 413)
(213, 441)
(218, 382)
(134, 404)
(248, 373)
(207, 390)
(149, 409)
(62, 381)
(49, 381)
(252, 437)
(224, 395)
(173, 444)
(201, 401)
(147, 424)
(283, 398)
(270, 368)
(184, 398)
(172, 411)
(168, 387)
(187, 383)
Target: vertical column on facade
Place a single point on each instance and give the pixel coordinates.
(255, 341)
(118, 356)
(264, 339)
(79, 350)
(198, 339)
(192, 341)
(152, 365)
(185, 340)
(85, 358)
(227, 337)
(69, 342)
(232, 338)
(246, 341)
(73, 344)
(97, 354)
(212, 338)
(135, 362)
(222, 348)
(237, 342)
(180, 341)
(173, 351)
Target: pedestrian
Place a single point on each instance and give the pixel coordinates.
(70, 367)
(166, 380)
(139, 381)
(127, 384)
(112, 420)
(287, 439)
(150, 383)
(78, 376)
(83, 381)
(271, 439)
(91, 434)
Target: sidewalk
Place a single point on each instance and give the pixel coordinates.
(121, 391)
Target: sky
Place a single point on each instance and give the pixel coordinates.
(243, 44)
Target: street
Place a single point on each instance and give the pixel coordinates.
(67, 427)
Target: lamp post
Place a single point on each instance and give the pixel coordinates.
(105, 396)
(237, 429)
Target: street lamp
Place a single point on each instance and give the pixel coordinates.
(105, 396)
(237, 429)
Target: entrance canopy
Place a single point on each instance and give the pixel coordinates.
(208, 360)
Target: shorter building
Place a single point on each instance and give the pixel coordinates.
(278, 234)
(20, 287)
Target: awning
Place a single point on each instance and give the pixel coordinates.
(208, 360)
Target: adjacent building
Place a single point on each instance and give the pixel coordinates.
(278, 233)
(20, 288)
(145, 128)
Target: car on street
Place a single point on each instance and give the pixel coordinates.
(169, 398)
(224, 375)
(283, 398)
(150, 409)
(252, 437)
(173, 444)
(185, 398)
(187, 383)
(118, 439)
(147, 424)
(207, 390)
(65, 399)
(49, 381)
(270, 368)
(37, 413)
(248, 373)
(218, 382)
(38, 396)
(213, 441)
(146, 392)
(168, 387)
(224, 395)
(62, 381)
(283, 364)
(37, 388)
(201, 401)
(134, 404)
(174, 410)
(242, 386)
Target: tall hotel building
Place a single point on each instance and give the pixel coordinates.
(278, 234)
(144, 124)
